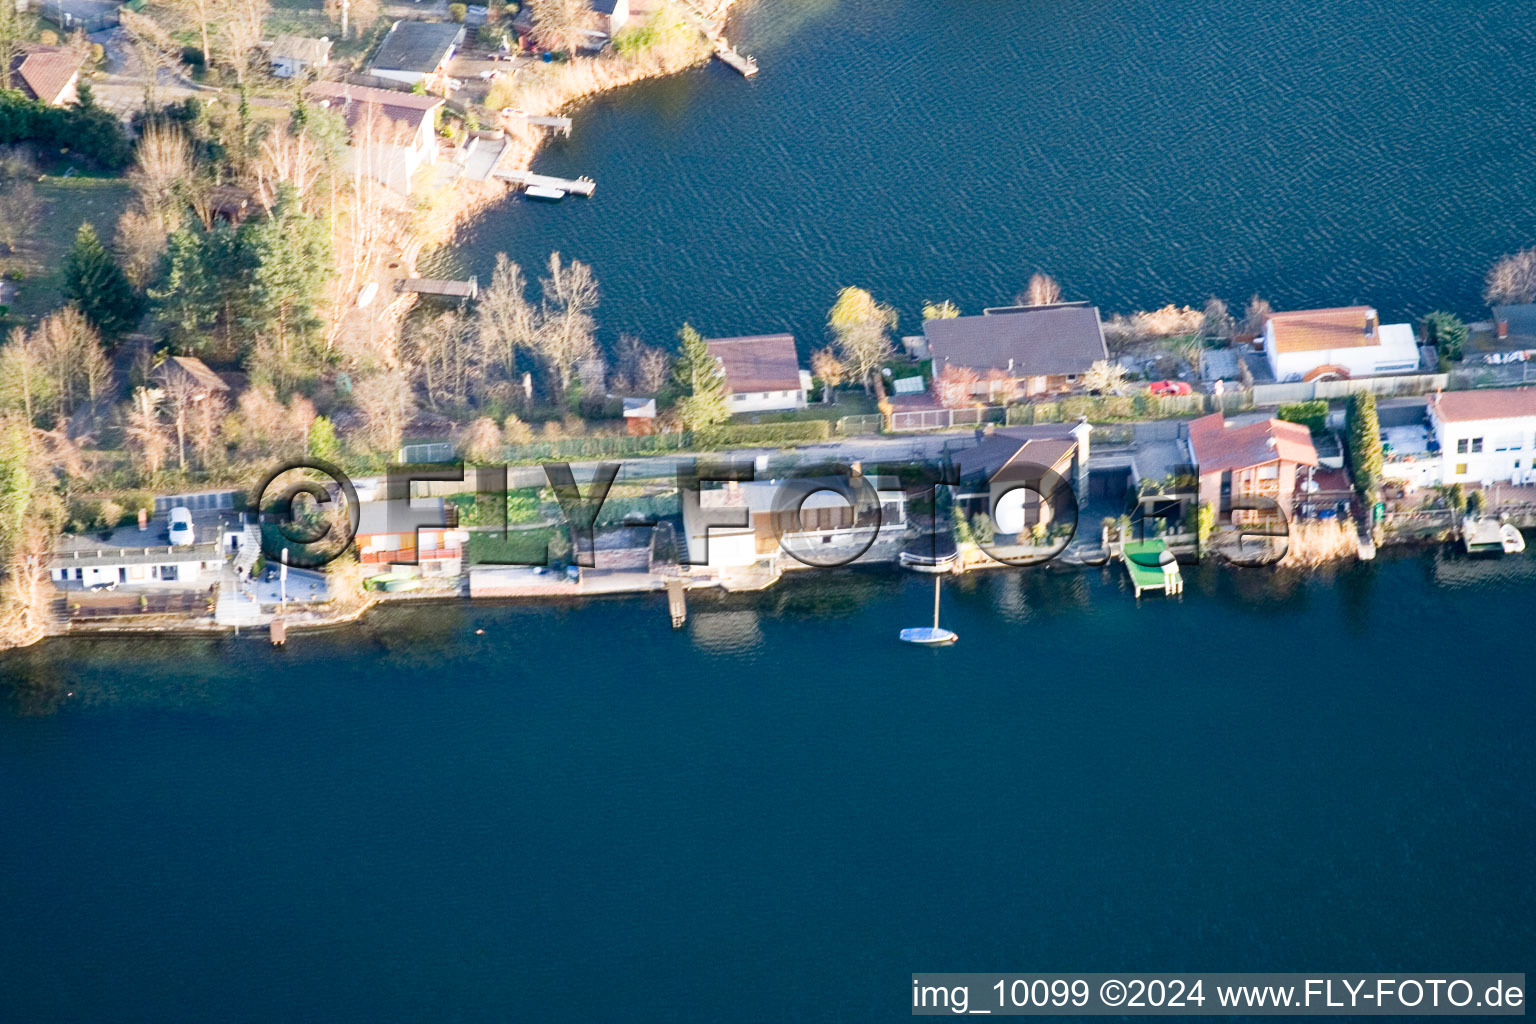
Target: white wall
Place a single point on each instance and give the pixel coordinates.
(1497, 451)
(408, 77)
(186, 572)
(767, 401)
(1397, 352)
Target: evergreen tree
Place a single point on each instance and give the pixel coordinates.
(1365, 441)
(94, 282)
(705, 399)
(206, 291)
(1446, 333)
(16, 483)
(290, 252)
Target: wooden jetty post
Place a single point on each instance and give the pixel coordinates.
(677, 602)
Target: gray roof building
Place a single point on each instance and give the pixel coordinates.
(1022, 341)
(161, 555)
(1516, 321)
(418, 47)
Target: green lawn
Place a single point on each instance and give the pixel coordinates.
(64, 204)
(849, 403)
(521, 547)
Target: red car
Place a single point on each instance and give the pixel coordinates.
(1164, 388)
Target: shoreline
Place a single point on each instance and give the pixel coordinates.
(1407, 547)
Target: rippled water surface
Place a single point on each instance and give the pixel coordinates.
(778, 812)
(1144, 153)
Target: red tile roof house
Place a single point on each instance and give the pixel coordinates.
(391, 134)
(46, 73)
(762, 372)
(1334, 344)
(1018, 351)
(1257, 460)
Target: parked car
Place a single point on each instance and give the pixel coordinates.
(102, 588)
(1167, 388)
(180, 529)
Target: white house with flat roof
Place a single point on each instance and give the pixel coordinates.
(1342, 343)
(181, 565)
(1485, 437)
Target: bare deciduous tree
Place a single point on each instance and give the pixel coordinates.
(204, 428)
(482, 442)
(69, 351)
(507, 320)
(1254, 317)
(437, 352)
(831, 370)
(565, 335)
(264, 427)
(140, 243)
(161, 171)
(642, 369)
(385, 401)
(1512, 280)
(145, 433)
(18, 211)
(1217, 319)
(240, 24)
(1042, 290)
(1105, 378)
(954, 386)
(154, 47)
(561, 24)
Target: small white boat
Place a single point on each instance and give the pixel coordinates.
(931, 636)
(1512, 539)
(544, 192)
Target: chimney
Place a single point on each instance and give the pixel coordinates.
(1503, 329)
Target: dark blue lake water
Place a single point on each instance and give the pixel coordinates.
(779, 812)
(1144, 153)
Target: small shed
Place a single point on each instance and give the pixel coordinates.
(292, 55)
(640, 416)
(191, 372)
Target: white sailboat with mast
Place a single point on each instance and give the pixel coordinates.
(931, 636)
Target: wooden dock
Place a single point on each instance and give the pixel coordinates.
(557, 123)
(677, 602)
(279, 632)
(468, 289)
(1152, 567)
(582, 186)
(732, 58)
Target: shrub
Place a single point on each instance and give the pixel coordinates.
(89, 132)
(456, 12)
(109, 515)
(1313, 415)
